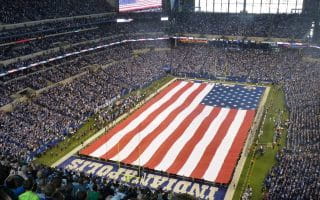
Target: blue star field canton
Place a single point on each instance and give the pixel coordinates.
(124, 2)
(234, 96)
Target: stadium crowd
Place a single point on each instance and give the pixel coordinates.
(279, 26)
(64, 106)
(8, 34)
(297, 174)
(247, 193)
(59, 111)
(51, 41)
(43, 75)
(33, 10)
(37, 182)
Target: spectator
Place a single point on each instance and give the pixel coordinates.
(93, 194)
(30, 186)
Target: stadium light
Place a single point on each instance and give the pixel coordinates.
(124, 20)
(164, 18)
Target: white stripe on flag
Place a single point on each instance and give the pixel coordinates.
(133, 124)
(130, 146)
(174, 124)
(201, 146)
(186, 136)
(170, 157)
(224, 147)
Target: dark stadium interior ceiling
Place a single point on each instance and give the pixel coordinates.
(249, 6)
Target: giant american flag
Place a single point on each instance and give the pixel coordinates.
(193, 129)
(134, 5)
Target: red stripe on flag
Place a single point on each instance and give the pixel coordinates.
(211, 149)
(92, 147)
(144, 143)
(230, 161)
(163, 149)
(22, 41)
(124, 140)
(189, 146)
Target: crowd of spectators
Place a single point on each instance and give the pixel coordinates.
(8, 34)
(46, 74)
(293, 26)
(227, 62)
(51, 41)
(87, 31)
(68, 42)
(19, 63)
(106, 21)
(33, 10)
(66, 106)
(36, 182)
(59, 111)
(247, 194)
(296, 176)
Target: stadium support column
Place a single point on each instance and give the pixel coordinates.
(186, 5)
(316, 18)
(311, 8)
(166, 6)
(114, 4)
(318, 23)
(316, 36)
(173, 42)
(244, 6)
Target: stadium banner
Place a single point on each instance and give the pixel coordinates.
(153, 180)
(193, 40)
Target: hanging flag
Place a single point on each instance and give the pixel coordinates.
(135, 5)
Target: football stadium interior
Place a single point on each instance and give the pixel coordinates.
(159, 99)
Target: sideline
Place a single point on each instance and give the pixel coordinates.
(103, 130)
(237, 173)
